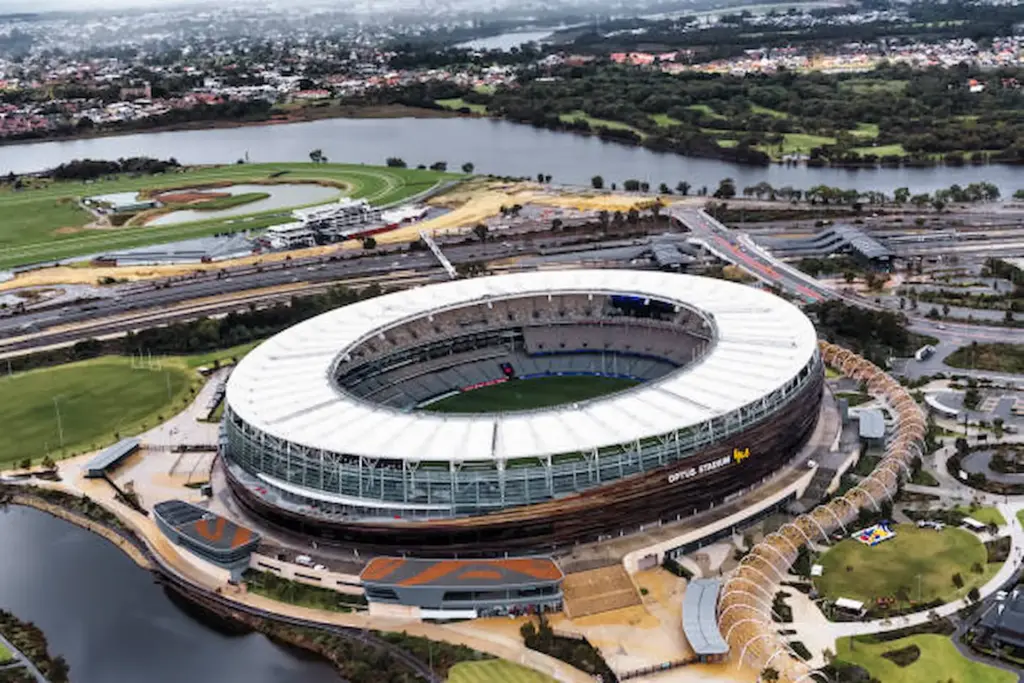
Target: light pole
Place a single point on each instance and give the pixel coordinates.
(60, 427)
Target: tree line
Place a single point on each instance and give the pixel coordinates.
(930, 113)
(204, 334)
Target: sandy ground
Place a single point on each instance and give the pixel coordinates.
(90, 275)
(469, 204)
(650, 634)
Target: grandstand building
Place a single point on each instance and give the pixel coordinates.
(334, 218)
(325, 433)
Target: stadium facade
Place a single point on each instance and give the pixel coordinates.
(323, 432)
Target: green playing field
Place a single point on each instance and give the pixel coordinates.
(527, 394)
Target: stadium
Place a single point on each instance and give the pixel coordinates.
(410, 421)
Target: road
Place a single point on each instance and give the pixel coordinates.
(21, 660)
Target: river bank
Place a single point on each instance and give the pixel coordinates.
(494, 147)
(305, 114)
(308, 629)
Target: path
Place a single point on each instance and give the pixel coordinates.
(21, 660)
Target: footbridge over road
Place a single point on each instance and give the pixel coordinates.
(739, 249)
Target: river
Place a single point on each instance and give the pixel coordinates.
(494, 146)
(114, 624)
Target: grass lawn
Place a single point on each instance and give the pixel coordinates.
(99, 401)
(985, 515)
(774, 113)
(803, 143)
(5, 654)
(223, 355)
(854, 570)
(594, 122)
(938, 661)
(882, 150)
(871, 86)
(726, 142)
(495, 671)
(459, 103)
(664, 120)
(539, 392)
(831, 373)
(706, 110)
(866, 130)
(44, 223)
(994, 357)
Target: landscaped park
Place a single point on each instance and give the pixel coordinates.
(87, 405)
(96, 402)
(494, 671)
(917, 659)
(918, 567)
(43, 220)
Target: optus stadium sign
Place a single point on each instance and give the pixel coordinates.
(737, 456)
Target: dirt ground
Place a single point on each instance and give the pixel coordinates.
(470, 204)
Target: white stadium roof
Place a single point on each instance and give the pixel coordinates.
(284, 387)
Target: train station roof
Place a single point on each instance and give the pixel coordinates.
(285, 387)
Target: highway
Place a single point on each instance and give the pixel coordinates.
(138, 305)
(151, 303)
(738, 248)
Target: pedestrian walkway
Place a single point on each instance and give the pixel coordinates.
(22, 661)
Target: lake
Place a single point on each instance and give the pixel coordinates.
(494, 146)
(114, 624)
(506, 41)
(282, 196)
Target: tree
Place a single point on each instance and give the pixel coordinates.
(48, 462)
(597, 182)
(769, 675)
(664, 189)
(974, 595)
(631, 185)
(441, 166)
(645, 186)
(556, 224)
(945, 310)
(316, 156)
(369, 243)
(683, 187)
(480, 230)
(468, 167)
(25, 463)
(540, 177)
(395, 162)
(901, 195)
(726, 189)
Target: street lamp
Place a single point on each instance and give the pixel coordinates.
(60, 427)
